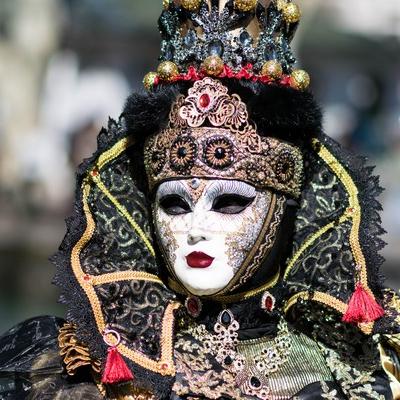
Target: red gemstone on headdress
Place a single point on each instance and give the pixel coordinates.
(86, 277)
(204, 100)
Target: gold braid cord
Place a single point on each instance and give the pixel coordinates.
(164, 366)
(352, 213)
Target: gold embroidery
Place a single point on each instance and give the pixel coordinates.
(124, 212)
(197, 374)
(326, 394)
(352, 212)
(165, 365)
(74, 354)
(394, 303)
(228, 149)
(355, 382)
(328, 300)
(114, 151)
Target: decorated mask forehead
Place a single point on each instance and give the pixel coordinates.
(208, 228)
(210, 136)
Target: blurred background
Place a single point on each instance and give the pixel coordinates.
(66, 65)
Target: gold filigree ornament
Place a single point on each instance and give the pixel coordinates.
(210, 136)
(251, 371)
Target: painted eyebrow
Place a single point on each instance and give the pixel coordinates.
(173, 188)
(221, 187)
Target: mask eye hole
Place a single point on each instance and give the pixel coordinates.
(174, 205)
(231, 203)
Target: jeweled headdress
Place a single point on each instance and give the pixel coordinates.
(239, 39)
(210, 136)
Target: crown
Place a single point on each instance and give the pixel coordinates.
(210, 136)
(239, 39)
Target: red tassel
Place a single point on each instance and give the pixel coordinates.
(116, 369)
(362, 307)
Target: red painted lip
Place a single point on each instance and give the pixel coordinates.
(197, 259)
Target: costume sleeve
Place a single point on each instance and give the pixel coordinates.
(31, 366)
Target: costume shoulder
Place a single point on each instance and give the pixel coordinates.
(31, 366)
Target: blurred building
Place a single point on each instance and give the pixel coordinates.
(69, 64)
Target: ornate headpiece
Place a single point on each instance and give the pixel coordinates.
(242, 39)
(209, 135)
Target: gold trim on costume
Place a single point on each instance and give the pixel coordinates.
(123, 211)
(124, 276)
(165, 365)
(353, 212)
(327, 300)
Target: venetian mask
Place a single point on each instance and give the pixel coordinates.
(207, 228)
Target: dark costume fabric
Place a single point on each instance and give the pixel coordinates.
(280, 334)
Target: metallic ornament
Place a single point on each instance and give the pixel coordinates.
(272, 69)
(245, 5)
(194, 183)
(291, 13)
(149, 80)
(299, 79)
(251, 370)
(280, 4)
(188, 38)
(205, 138)
(166, 4)
(268, 302)
(213, 65)
(193, 306)
(167, 70)
(191, 5)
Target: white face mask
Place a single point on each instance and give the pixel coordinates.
(207, 228)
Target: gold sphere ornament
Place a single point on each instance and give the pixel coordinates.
(149, 80)
(213, 65)
(299, 79)
(272, 69)
(245, 5)
(291, 13)
(167, 71)
(165, 4)
(191, 5)
(280, 4)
